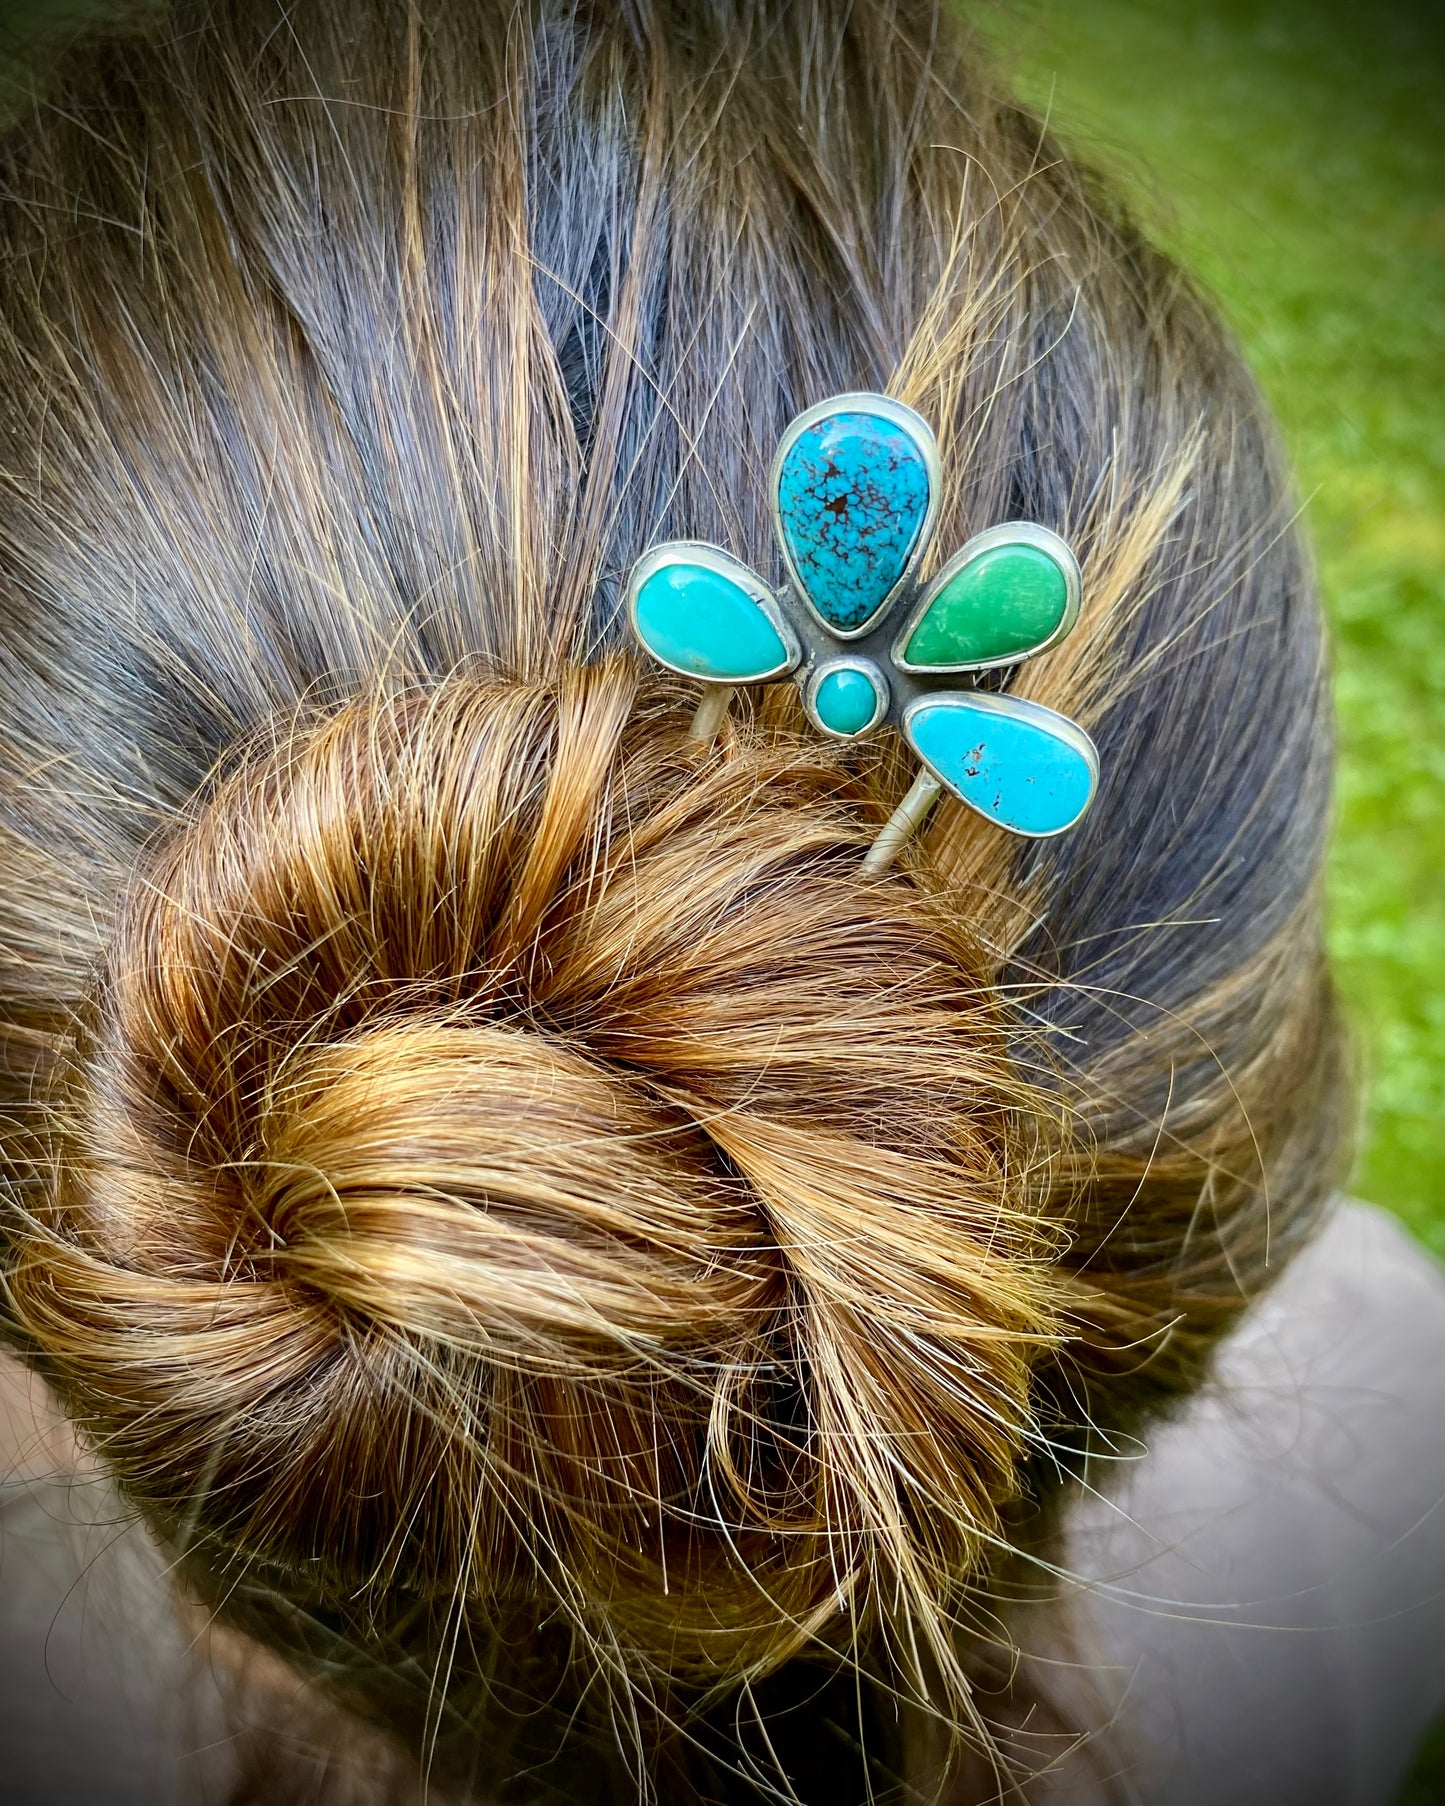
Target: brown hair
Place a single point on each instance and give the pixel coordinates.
(505, 1194)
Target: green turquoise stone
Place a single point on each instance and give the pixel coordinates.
(845, 700)
(698, 621)
(1021, 766)
(1001, 605)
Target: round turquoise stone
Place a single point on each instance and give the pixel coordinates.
(846, 700)
(853, 493)
(699, 621)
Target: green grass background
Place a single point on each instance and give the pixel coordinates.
(1292, 152)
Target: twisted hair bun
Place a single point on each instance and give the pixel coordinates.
(509, 1158)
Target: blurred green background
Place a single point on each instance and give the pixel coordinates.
(1292, 152)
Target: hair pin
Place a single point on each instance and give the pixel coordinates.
(855, 496)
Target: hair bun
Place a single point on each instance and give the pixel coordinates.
(512, 1157)
(494, 1188)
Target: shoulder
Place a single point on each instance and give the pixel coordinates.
(1265, 1583)
(97, 1702)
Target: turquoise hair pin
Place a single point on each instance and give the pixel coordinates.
(855, 493)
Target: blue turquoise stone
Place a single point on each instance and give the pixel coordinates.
(698, 621)
(1006, 761)
(845, 700)
(852, 500)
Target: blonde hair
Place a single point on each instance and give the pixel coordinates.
(503, 1192)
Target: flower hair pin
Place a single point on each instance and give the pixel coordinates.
(855, 493)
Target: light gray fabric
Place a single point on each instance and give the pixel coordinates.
(1263, 1602)
(1266, 1588)
(101, 1701)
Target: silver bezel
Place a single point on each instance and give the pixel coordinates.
(1058, 725)
(1017, 532)
(859, 401)
(713, 558)
(848, 662)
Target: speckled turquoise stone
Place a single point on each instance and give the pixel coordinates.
(1009, 764)
(846, 700)
(696, 620)
(1001, 605)
(852, 500)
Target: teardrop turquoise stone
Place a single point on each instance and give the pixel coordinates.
(852, 500)
(698, 621)
(846, 700)
(1001, 605)
(1007, 760)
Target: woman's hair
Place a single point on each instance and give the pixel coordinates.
(505, 1194)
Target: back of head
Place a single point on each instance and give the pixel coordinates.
(507, 1195)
